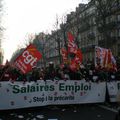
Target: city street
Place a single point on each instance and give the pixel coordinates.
(68, 112)
(60, 60)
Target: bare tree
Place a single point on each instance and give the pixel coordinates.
(1, 31)
(1, 14)
(39, 41)
(75, 26)
(57, 37)
(64, 27)
(104, 8)
(29, 39)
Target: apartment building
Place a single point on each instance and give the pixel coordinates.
(87, 31)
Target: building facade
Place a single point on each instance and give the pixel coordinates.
(87, 31)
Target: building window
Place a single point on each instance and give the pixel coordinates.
(107, 20)
(119, 33)
(118, 17)
(94, 22)
(113, 33)
(99, 37)
(118, 49)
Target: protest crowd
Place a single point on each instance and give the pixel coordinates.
(104, 68)
(87, 72)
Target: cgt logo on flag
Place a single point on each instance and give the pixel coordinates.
(28, 59)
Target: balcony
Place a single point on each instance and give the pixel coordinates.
(84, 27)
(91, 35)
(112, 25)
(109, 42)
(109, 26)
(88, 48)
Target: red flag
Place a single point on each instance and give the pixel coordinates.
(27, 60)
(105, 59)
(70, 37)
(64, 54)
(78, 57)
(73, 66)
(72, 47)
(111, 63)
(75, 63)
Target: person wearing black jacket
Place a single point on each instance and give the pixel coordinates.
(35, 74)
(50, 72)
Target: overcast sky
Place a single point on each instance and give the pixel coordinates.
(24, 17)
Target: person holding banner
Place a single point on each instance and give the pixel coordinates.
(35, 74)
(50, 72)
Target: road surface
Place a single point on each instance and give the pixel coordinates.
(68, 112)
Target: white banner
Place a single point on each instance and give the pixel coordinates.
(114, 91)
(31, 94)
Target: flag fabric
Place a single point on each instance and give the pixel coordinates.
(76, 61)
(72, 47)
(64, 54)
(73, 66)
(70, 37)
(104, 59)
(78, 57)
(111, 62)
(28, 59)
(100, 56)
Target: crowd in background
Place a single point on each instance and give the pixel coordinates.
(87, 72)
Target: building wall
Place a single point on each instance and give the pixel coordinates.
(1, 56)
(83, 19)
